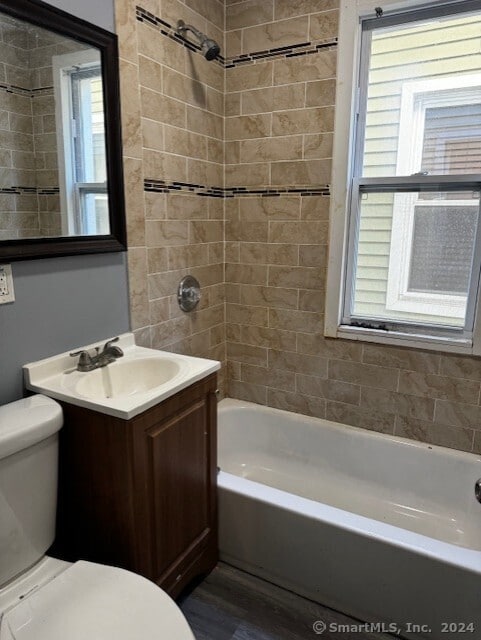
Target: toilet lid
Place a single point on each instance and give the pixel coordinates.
(99, 603)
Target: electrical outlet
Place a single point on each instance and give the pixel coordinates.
(7, 293)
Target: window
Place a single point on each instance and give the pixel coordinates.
(81, 142)
(405, 258)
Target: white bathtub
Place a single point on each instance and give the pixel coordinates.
(382, 528)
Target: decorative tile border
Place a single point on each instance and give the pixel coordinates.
(302, 49)
(162, 186)
(24, 191)
(29, 93)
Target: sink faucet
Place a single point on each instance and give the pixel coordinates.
(109, 354)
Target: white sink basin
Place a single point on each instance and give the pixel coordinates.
(128, 377)
(133, 383)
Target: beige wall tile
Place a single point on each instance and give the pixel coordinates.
(442, 435)
(273, 99)
(318, 145)
(318, 66)
(130, 108)
(289, 401)
(275, 208)
(150, 74)
(360, 417)
(315, 120)
(212, 10)
(302, 172)
(139, 301)
(201, 121)
(461, 367)
(247, 392)
(287, 8)
(317, 344)
(324, 26)
(328, 389)
(246, 231)
(246, 175)
(264, 337)
(300, 232)
(397, 403)
(161, 233)
(267, 377)
(249, 13)
(292, 320)
(409, 359)
(276, 34)
(298, 277)
(365, 374)
(233, 43)
(243, 127)
(252, 76)
(270, 149)
(458, 414)
(246, 273)
(435, 386)
(247, 353)
(243, 314)
(268, 297)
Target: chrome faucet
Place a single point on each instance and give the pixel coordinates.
(109, 354)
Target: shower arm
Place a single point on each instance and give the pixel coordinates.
(182, 28)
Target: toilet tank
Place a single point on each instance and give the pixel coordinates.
(28, 481)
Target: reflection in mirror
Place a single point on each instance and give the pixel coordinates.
(53, 172)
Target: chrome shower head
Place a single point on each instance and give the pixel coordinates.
(210, 49)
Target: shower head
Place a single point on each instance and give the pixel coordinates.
(210, 49)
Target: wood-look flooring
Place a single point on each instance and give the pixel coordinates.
(232, 605)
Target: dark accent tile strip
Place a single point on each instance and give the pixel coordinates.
(20, 191)
(161, 186)
(29, 93)
(169, 31)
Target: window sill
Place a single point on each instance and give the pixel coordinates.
(416, 341)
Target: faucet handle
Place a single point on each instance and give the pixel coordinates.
(84, 359)
(109, 342)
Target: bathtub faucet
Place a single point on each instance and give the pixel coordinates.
(109, 354)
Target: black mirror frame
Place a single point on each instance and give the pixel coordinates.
(58, 21)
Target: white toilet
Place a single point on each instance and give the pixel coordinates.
(46, 599)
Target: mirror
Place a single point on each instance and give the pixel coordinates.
(61, 185)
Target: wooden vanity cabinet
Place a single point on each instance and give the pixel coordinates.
(141, 493)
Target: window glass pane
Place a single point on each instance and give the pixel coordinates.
(424, 98)
(414, 257)
(452, 140)
(94, 213)
(442, 248)
(88, 112)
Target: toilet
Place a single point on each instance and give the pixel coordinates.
(42, 598)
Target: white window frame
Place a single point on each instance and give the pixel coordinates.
(71, 191)
(347, 108)
(416, 97)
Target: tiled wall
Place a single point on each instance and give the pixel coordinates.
(29, 183)
(279, 70)
(172, 111)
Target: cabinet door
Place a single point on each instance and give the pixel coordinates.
(180, 492)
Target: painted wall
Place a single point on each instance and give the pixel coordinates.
(62, 303)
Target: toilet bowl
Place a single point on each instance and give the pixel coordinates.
(42, 598)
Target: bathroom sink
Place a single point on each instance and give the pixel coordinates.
(138, 380)
(128, 377)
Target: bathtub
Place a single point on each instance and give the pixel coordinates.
(382, 528)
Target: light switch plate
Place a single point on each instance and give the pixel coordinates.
(7, 293)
